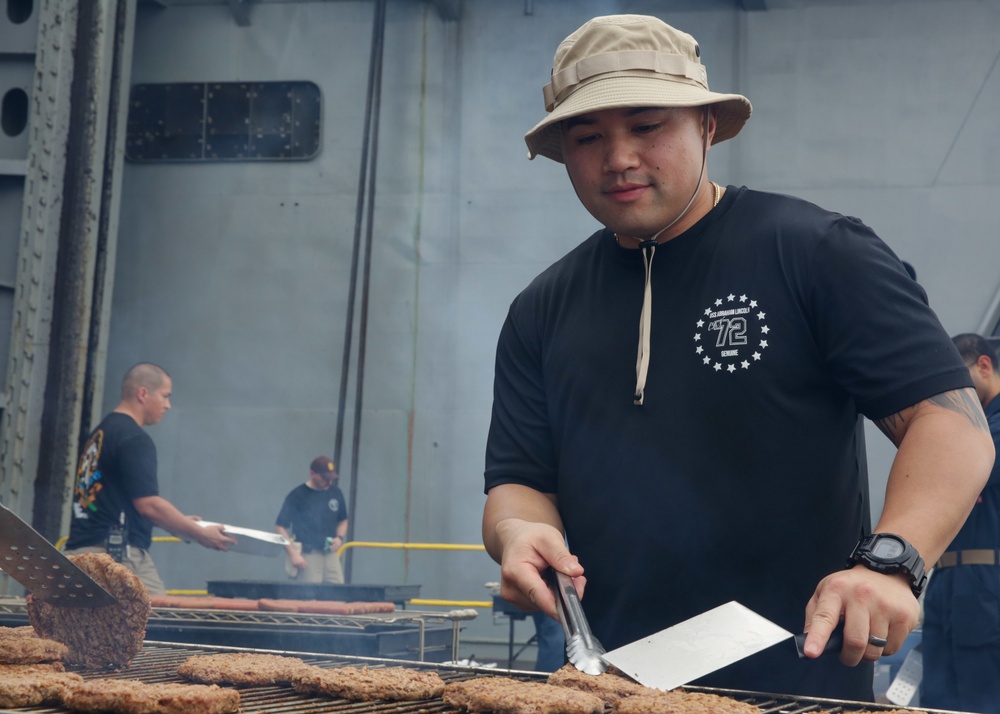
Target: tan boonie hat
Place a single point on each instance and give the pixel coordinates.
(628, 61)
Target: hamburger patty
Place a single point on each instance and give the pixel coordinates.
(22, 631)
(610, 686)
(22, 645)
(369, 683)
(130, 696)
(241, 668)
(15, 669)
(102, 637)
(680, 702)
(31, 685)
(502, 695)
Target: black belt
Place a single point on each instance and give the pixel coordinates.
(311, 548)
(976, 556)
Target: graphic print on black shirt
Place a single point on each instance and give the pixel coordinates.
(88, 477)
(732, 335)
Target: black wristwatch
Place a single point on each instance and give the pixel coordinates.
(890, 554)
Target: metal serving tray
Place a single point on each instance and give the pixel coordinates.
(252, 541)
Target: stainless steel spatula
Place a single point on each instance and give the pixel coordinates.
(697, 646)
(45, 572)
(582, 649)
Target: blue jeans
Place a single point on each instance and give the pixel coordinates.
(551, 643)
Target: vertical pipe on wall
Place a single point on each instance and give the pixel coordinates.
(366, 198)
(107, 228)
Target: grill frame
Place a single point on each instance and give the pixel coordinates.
(158, 661)
(423, 635)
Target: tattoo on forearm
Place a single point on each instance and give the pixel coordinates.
(965, 402)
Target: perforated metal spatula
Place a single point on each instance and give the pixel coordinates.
(45, 572)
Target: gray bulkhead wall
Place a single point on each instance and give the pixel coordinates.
(237, 283)
(234, 276)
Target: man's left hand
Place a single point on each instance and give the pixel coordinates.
(871, 604)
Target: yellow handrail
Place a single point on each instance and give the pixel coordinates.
(409, 546)
(345, 546)
(450, 603)
(423, 546)
(156, 539)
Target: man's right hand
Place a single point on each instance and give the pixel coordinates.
(298, 562)
(529, 549)
(523, 532)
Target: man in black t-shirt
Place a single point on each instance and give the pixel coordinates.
(116, 501)
(315, 512)
(676, 400)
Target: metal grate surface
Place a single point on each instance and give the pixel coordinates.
(158, 663)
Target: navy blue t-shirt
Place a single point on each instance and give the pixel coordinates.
(312, 516)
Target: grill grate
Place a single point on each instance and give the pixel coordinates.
(158, 662)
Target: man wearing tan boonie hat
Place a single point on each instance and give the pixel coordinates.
(677, 400)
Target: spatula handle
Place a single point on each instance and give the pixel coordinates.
(834, 644)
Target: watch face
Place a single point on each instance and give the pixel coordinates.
(887, 549)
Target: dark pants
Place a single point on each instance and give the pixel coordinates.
(961, 640)
(551, 643)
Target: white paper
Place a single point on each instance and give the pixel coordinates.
(696, 647)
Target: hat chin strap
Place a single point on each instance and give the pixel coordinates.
(646, 316)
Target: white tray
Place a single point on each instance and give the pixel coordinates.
(252, 541)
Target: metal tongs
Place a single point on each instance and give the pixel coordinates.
(583, 650)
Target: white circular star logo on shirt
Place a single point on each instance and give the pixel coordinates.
(731, 336)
